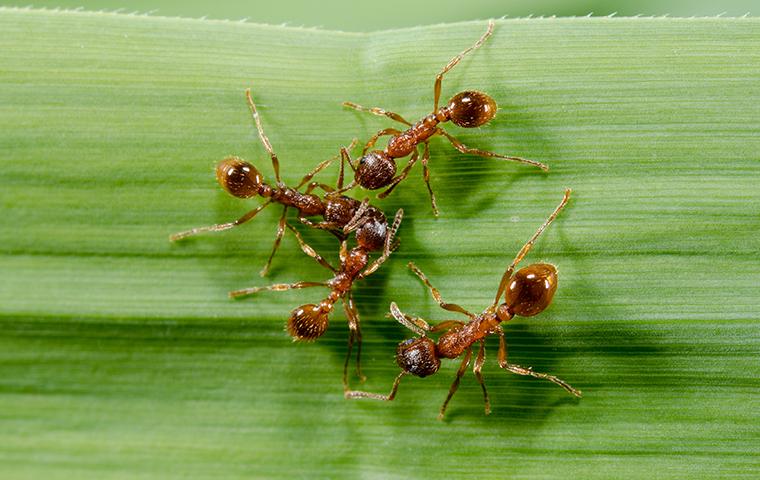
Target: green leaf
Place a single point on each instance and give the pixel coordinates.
(122, 357)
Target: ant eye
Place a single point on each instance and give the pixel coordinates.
(238, 177)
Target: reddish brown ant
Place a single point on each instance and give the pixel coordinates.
(308, 322)
(526, 293)
(469, 109)
(341, 214)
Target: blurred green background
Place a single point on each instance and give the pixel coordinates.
(369, 16)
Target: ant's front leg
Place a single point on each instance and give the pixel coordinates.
(376, 396)
(404, 173)
(455, 385)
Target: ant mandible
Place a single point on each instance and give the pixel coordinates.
(340, 213)
(469, 109)
(308, 322)
(526, 293)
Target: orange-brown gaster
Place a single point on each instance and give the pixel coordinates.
(526, 292)
(468, 109)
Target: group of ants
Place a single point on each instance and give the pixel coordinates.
(526, 292)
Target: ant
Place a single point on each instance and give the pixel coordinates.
(308, 322)
(526, 293)
(469, 109)
(341, 214)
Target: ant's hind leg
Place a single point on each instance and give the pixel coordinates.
(219, 227)
(378, 111)
(485, 153)
(452, 307)
(455, 385)
(452, 63)
(528, 371)
(426, 177)
(479, 360)
(528, 245)
(376, 396)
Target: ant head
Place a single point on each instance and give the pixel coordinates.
(376, 169)
(417, 356)
(531, 289)
(371, 235)
(308, 322)
(238, 177)
(471, 109)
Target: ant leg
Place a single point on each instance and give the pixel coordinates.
(277, 240)
(484, 153)
(345, 157)
(426, 177)
(481, 358)
(455, 385)
(387, 249)
(376, 396)
(310, 251)
(446, 325)
(400, 177)
(322, 166)
(219, 227)
(528, 245)
(377, 111)
(263, 137)
(352, 314)
(277, 287)
(313, 185)
(454, 61)
(452, 307)
(371, 142)
(528, 371)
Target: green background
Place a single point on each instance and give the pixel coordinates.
(122, 357)
(371, 16)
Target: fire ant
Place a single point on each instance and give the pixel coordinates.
(469, 109)
(308, 322)
(340, 213)
(526, 293)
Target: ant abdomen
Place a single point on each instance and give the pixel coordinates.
(531, 289)
(238, 177)
(471, 109)
(308, 322)
(376, 169)
(417, 356)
